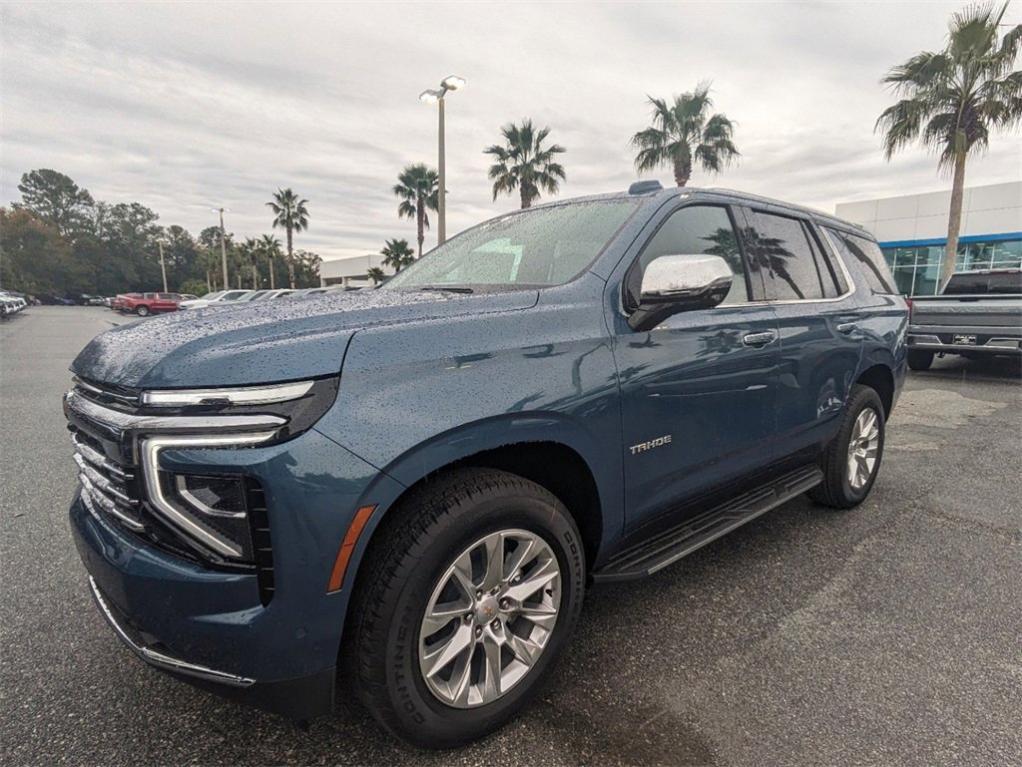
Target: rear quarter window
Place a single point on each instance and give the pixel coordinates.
(865, 254)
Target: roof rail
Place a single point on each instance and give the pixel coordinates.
(645, 187)
(783, 204)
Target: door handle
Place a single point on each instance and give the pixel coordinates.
(759, 339)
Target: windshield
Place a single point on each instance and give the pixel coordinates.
(211, 296)
(541, 247)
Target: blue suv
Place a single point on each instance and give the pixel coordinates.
(408, 490)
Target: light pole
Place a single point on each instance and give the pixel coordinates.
(163, 265)
(223, 245)
(449, 83)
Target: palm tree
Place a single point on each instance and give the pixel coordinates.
(376, 274)
(269, 246)
(951, 100)
(685, 133)
(523, 163)
(249, 251)
(292, 216)
(417, 186)
(397, 254)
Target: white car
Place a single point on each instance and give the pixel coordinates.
(11, 303)
(216, 298)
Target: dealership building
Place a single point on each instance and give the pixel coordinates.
(912, 231)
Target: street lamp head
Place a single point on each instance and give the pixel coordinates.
(453, 82)
(430, 96)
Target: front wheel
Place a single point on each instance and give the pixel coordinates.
(469, 592)
(142, 311)
(851, 461)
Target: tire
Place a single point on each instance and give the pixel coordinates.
(837, 489)
(142, 311)
(919, 360)
(403, 574)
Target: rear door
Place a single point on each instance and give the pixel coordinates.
(698, 391)
(818, 321)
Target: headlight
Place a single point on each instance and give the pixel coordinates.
(211, 510)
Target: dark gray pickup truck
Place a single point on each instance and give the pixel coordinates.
(978, 314)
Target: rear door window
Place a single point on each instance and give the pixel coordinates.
(867, 255)
(780, 249)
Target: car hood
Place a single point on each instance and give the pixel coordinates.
(265, 341)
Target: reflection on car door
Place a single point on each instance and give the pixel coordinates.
(698, 391)
(820, 340)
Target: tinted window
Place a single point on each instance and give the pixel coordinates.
(538, 247)
(869, 258)
(782, 252)
(696, 230)
(978, 283)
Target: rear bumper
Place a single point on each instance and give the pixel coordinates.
(986, 339)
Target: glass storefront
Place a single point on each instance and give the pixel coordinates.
(916, 268)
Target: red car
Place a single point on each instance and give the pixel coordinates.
(118, 302)
(144, 304)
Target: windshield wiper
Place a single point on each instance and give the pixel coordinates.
(448, 288)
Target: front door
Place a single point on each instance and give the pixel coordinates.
(698, 391)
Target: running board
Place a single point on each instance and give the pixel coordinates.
(695, 532)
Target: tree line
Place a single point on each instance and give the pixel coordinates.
(58, 240)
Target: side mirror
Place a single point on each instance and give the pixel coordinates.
(673, 284)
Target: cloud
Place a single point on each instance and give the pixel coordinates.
(186, 107)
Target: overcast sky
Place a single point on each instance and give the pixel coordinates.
(184, 107)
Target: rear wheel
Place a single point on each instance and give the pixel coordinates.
(142, 311)
(851, 461)
(919, 360)
(462, 605)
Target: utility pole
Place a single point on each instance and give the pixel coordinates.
(223, 249)
(163, 265)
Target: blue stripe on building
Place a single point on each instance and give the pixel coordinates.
(963, 240)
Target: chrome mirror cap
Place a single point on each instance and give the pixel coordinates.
(668, 278)
(677, 283)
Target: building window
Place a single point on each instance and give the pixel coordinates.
(916, 269)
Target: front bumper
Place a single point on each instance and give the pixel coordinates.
(209, 626)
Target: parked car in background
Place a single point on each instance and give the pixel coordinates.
(118, 301)
(216, 297)
(11, 303)
(420, 481)
(151, 303)
(979, 314)
(93, 300)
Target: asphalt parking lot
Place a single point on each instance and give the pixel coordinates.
(891, 634)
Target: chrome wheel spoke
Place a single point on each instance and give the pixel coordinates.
(438, 658)
(524, 649)
(539, 577)
(519, 558)
(440, 615)
(494, 547)
(539, 615)
(491, 682)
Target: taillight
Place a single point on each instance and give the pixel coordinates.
(909, 302)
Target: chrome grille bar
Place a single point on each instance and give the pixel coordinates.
(98, 460)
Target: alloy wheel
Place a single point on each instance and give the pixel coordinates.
(862, 448)
(489, 618)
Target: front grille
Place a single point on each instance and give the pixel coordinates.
(106, 485)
